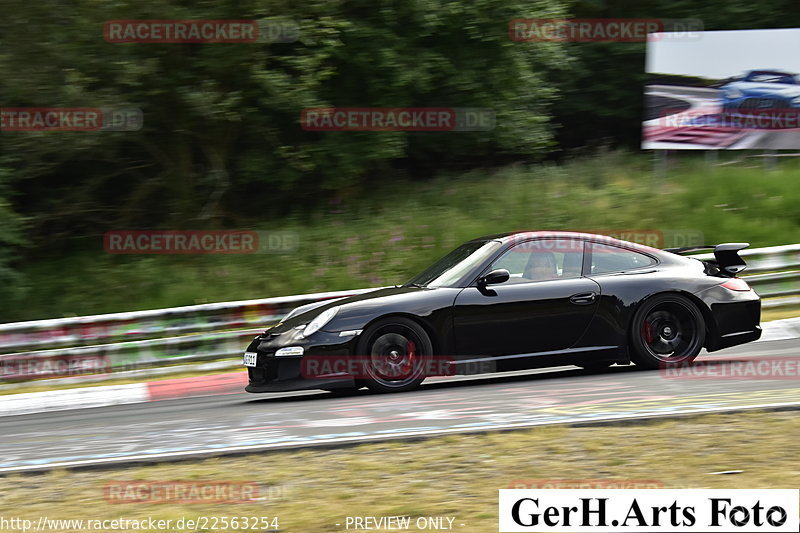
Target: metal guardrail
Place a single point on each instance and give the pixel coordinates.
(140, 339)
(155, 323)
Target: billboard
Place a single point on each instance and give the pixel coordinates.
(731, 90)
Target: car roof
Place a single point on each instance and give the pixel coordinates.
(525, 235)
(776, 72)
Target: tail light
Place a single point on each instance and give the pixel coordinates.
(736, 284)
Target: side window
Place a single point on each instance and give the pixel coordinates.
(542, 260)
(607, 258)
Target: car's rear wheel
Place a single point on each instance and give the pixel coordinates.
(396, 353)
(668, 329)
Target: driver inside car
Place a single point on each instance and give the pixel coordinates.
(541, 266)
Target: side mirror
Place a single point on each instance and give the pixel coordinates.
(501, 275)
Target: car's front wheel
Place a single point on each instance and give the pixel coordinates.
(396, 352)
(667, 329)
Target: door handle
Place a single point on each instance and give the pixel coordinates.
(583, 298)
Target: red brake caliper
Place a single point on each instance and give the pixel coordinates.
(647, 331)
(411, 349)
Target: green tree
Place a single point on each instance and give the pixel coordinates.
(12, 283)
(221, 134)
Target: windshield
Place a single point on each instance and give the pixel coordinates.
(769, 77)
(452, 267)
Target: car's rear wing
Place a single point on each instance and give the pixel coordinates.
(727, 256)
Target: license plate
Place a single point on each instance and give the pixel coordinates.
(249, 359)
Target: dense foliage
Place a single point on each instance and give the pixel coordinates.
(221, 144)
(221, 133)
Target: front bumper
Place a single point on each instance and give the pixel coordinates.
(282, 374)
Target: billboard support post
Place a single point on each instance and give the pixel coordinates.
(769, 159)
(660, 160)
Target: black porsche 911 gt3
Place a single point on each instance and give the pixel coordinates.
(514, 301)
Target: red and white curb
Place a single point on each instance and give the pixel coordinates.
(107, 395)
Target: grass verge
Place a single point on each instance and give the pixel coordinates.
(779, 314)
(385, 236)
(455, 476)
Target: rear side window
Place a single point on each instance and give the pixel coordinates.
(607, 258)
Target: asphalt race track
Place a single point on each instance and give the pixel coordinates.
(234, 423)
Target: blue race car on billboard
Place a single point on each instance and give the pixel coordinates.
(762, 90)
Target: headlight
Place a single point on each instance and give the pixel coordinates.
(733, 92)
(293, 312)
(321, 319)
